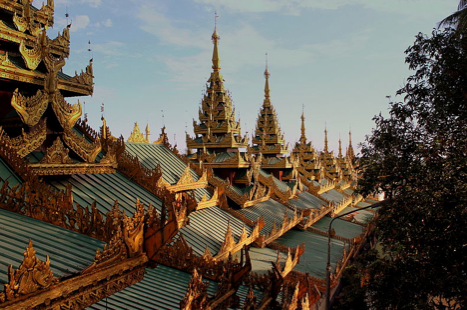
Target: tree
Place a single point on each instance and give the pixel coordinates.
(418, 157)
(458, 19)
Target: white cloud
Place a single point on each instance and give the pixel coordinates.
(107, 22)
(92, 3)
(414, 8)
(79, 22)
(162, 27)
(109, 48)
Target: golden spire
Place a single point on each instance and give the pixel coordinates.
(216, 62)
(148, 132)
(303, 136)
(104, 128)
(350, 151)
(326, 151)
(340, 147)
(267, 101)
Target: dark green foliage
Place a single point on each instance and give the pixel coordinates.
(418, 157)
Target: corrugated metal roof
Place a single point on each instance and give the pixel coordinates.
(333, 195)
(363, 204)
(343, 228)
(363, 216)
(261, 259)
(271, 210)
(281, 185)
(162, 288)
(208, 226)
(348, 191)
(69, 251)
(313, 261)
(307, 200)
(151, 155)
(221, 157)
(105, 188)
(7, 174)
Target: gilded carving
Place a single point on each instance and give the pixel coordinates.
(66, 113)
(85, 77)
(28, 142)
(86, 150)
(186, 181)
(196, 295)
(33, 52)
(133, 230)
(26, 22)
(137, 136)
(5, 60)
(31, 276)
(30, 109)
(57, 154)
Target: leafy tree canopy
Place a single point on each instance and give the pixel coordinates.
(418, 157)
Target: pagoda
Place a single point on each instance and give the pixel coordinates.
(310, 167)
(268, 141)
(40, 125)
(218, 141)
(331, 167)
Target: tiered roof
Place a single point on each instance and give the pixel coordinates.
(268, 140)
(217, 129)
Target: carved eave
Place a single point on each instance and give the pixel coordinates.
(74, 168)
(284, 163)
(11, 72)
(58, 46)
(43, 16)
(186, 182)
(229, 246)
(276, 231)
(28, 142)
(205, 203)
(136, 136)
(84, 290)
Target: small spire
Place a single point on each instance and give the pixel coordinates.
(216, 62)
(350, 152)
(326, 150)
(340, 147)
(148, 132)
(104, 128)
(267, 101)
(303, 136)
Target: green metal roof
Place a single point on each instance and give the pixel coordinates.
(162, 288)
(349, 191)
(208, 226)
(271, 210)
(307, 200)
(105, 188)
(363, 216)
(343, 228)
(333, 195)
(313, 261)
(151, 155)
(7, 174)
(261, 259)
(221, 157)
(281, 185)
(69, 251)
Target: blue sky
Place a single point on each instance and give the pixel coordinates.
(337, 58)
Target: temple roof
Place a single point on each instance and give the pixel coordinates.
(70, 251)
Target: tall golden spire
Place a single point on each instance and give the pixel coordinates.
(303, 135)
(267, 101)
(350, 152)
(340, 147)
(216, 62)
(326, 150)
(148, 132)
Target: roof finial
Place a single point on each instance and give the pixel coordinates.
(303, 136)
(326, 151)
(267, 100)
(216, 62)
(340, 146)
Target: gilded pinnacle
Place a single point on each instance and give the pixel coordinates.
(303, 136)
(216, 62)
(267, 101)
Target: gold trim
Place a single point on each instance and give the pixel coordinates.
(28, 142)
(31, 276)
(30, 109)
(86, 150)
